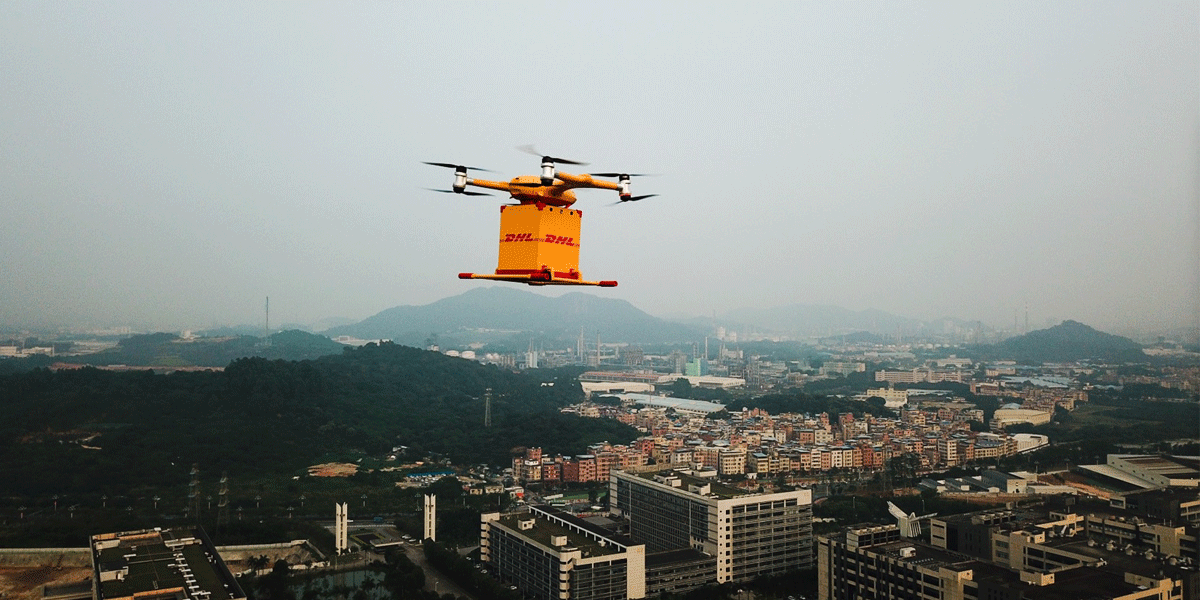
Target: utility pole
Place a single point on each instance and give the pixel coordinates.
(487, 408)
(223, 502)
(194, 492)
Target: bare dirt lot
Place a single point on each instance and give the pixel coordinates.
(25, 583)
(333, 470)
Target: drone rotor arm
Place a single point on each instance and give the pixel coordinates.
(491, 185)
(587, 181)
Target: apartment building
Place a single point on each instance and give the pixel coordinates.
(731, 462)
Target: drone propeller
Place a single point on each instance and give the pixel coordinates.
(457, 167)
(465, 193)
(529, 149)
(632, 199)
(621, 174)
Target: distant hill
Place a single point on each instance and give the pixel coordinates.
(510, 310)
(328, 322)
(858, 337)
(1067, 342)
(823, 320)
(232, 331)
(170, 350)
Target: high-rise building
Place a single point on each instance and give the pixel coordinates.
(874, 562)
(750, 535)
(547, 553)
(685, 531)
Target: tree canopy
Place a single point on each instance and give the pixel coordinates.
(275, 416)
(797, 402)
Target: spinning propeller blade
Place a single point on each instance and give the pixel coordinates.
(456, 167)
(633, 199)
(465, 193)
(621, 174)
(529, 149)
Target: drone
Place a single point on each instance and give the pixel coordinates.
(539, 235)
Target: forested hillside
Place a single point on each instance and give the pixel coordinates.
(170, 350)
(88, 428)
(504, 308)
(795, 402)
(1066, 342)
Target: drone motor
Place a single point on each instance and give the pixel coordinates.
(460, 180)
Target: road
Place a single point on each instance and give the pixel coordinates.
(434, 579)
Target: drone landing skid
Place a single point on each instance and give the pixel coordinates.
(538, 278)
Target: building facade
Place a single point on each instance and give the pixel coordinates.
(750, 535)
(1051, 553)
(552, 555)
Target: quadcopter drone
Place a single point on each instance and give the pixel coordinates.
(539, 236)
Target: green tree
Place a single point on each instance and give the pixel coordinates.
(448, 489)
(904, 469)
(680, 388)
(877, 404)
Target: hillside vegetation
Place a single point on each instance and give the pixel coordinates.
(502, 309)
(88, 428)
(1067, 342)
(170, 350)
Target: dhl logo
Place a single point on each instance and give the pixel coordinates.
(528, 237)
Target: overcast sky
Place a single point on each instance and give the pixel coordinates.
(169, 165)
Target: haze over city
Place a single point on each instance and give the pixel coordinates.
(170, 165)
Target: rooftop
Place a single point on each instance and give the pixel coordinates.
(1180, 495)
(179, 563)
(1074, 584)
(716, 489)
(699, 406)
(1167, 466)
(926, 556)
(591, 526)
(995, 473)
(1118, 475)
(544, 531)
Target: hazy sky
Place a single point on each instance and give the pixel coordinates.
(170, 164)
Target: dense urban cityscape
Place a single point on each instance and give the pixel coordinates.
(769, 473)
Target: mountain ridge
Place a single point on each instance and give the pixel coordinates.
(518, 311)
(1068, 341)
